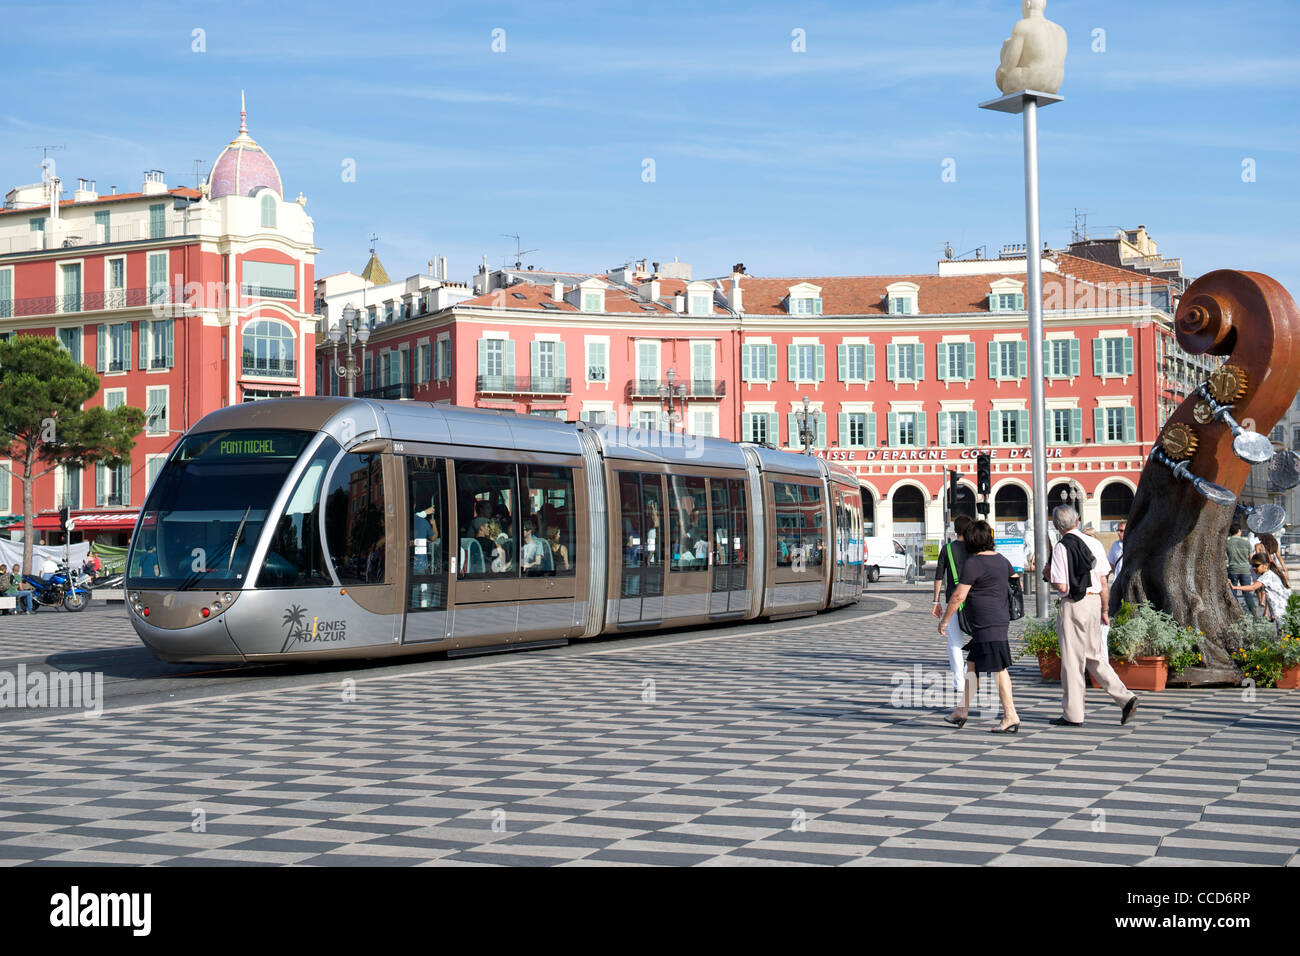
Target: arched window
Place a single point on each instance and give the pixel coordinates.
(1116, 501)
(268, 210)
(268, 349)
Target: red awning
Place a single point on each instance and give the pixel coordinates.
(89, 521)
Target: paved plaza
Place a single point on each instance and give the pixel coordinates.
(796, 742)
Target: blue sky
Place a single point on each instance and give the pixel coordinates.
(827, 161)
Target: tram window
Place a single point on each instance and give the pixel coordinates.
(740, 524)
(629, 496)
(800, 541)
(426, 488)
(354, 520)
(690, 523)
(487, 505)
(549, 521)
(652, 506)
(295, 558)
(720, 512)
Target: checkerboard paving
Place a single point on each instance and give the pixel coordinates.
(760, 745)
(53, 631)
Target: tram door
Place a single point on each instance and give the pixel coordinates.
(426, 549)
(730, 546)
(641, 588)
(689, 586)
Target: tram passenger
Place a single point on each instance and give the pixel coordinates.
(483, 514)
(424, 535)
(531, 558)
(375, 562)
(559, 552)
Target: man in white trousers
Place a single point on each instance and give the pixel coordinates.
(950, 555)
(1082, 586)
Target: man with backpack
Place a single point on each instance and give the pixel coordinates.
(952, 557)
(1078, 573)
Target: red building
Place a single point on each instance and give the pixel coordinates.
(183, 301)
(910, 375)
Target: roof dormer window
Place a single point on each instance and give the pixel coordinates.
(901, 298)
(1006, 295)
(804, 298)
(587, 296)
(699, 298)
(268, 211)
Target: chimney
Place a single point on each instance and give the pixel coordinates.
(649, 291)
(557, 291)
(55, 186)
(442, 268)
(679, 302)
(85, 191)
(153, 182)
(431, 268)
(733, 294)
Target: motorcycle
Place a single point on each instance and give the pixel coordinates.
(63, 587)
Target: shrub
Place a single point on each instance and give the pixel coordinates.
(1142, 630)
(1039, 637)
(1263, 654)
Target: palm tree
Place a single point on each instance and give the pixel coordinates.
(293, 619)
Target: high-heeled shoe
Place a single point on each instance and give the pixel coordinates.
(959, 721)
(1014, 728)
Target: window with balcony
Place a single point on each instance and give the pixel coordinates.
(113, 347)
(268, 349)
(272, 280)
(115, 284)
(69, 487)
(597, 362)
(158, 221)
(156, 350)
(112, 486)
(157, 277)
(70, 287)
(103, 230)
(6, 293)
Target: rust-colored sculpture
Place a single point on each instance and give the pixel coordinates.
(1174, 543)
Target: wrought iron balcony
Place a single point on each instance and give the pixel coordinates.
(267, 292)
(83, 302)
(526, 385)
(707, 389)
(391, 392)
(270, 367)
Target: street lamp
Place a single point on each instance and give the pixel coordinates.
(353, 331)
(671, 394)
(807, 420)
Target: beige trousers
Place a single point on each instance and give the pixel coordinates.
(1078, 626)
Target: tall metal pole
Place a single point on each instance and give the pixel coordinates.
(1034, 299)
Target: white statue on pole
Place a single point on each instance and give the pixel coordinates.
(1033, 57)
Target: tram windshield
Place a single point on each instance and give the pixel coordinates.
(207, 508)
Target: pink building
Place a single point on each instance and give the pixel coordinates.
(183, 300)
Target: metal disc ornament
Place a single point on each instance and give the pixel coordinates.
(1203, 413)
(1284, 470)
(1179, 441)
(1266, 519)
(1252, 447)
(1227, 384)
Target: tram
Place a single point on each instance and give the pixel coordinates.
(331, 527)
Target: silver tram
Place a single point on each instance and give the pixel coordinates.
(326, 527)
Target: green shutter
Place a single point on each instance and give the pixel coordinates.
(972, 429)
(1048, 430)
(844, 429)
(944, 430)
(99, 486)
(170, 333)
(534, 358)
(1099, 425)
(1130, 425)
(773, 435)
(821, 363)
(1128, 355)
(995, 433)
(1098, 357)
(891, 362)
(509, 358)
(1074, 358)
(561, 368)
(1022, 359)
(821, 428)
(1076, 426)
(744, 365)
(842, 359)
(920, 429)
(101, 348)
(1020, 302)
(771, 363)
(891, 422)
(919, 351)
(482, 357)
(871, 429)
(747, 426)
(144, 345)
(792, 362)
(792, 431)
(126, 352)
(941, 362)
(1022, 430)
(993, 359)
(869, 362)
(970, 361)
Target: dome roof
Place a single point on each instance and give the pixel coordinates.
(243, 166)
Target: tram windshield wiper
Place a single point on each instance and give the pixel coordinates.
(194, 576)
(238, 534)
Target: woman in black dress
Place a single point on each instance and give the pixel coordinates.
(983, 588)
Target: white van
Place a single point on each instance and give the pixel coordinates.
(886, 558)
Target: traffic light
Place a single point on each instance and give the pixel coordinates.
(984, 473)
(64, 515)
(954, 486)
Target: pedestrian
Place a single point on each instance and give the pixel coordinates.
(1079, 574)
(1238, 550)
(983, 589)
(1266, 580)
(1116, 554)
(1276, 563)
(21, 591)
(947, 574)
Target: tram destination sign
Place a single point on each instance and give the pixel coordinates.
(245, 447)
(929, 454)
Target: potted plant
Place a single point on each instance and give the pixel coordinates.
(1040, 639)
(1269, 658)
(1146, 643)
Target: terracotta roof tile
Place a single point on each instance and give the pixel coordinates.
(183, 191)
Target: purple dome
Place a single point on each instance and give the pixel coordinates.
(243, 167)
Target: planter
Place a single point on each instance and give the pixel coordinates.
(1290, 679)
(1049, 665)
(1145, 673)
